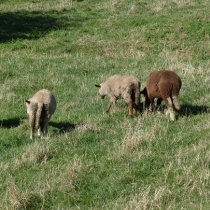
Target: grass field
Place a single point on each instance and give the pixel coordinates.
(91, 159)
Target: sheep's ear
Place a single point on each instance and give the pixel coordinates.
(98, 86)
(28, 102)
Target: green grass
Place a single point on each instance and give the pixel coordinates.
(93, 160)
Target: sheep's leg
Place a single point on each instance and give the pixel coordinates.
(159, 104)
(130, 108)
(176, 102)
(115, 104)
(32, 119)
(32, 125)
(136, 103)
(38, 114)
(137, 96)
(150, 102)
(44, 126)
(135, 108)
(39, 131)
(46, 129)
(133, 104)
(170, 109)
(109, 105)
(151, 107)
(130, 101)
(32, 133)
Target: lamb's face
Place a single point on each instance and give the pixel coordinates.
(101, 90)
(102, 97)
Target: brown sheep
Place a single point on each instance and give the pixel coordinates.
(122, 86)
(163, 85)
(40, 108)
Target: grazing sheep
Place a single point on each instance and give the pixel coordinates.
(126, 87)
(163, 85)
(40, 108)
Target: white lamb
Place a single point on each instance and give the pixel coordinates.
(40, 108)
(122, 86)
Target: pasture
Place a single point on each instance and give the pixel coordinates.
(92, 159)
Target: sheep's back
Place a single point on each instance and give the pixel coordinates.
(171, 81)
(45, 97)
(119, 84)
(163, 81)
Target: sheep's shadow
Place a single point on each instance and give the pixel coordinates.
(186, 109)
(189, 109)
(62, 127)
(9, 123)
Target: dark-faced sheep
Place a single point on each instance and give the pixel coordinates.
(40, 108)
(163, 85)
(122, 86)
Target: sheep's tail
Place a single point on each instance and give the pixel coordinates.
(176, 102)
(38, 115)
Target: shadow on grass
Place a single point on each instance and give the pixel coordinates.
(189, 109)
(33, 25)
(62, 127)
(9, 123)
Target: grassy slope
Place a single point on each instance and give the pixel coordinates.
(95, 160)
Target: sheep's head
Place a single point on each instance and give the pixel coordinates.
(101, 91)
